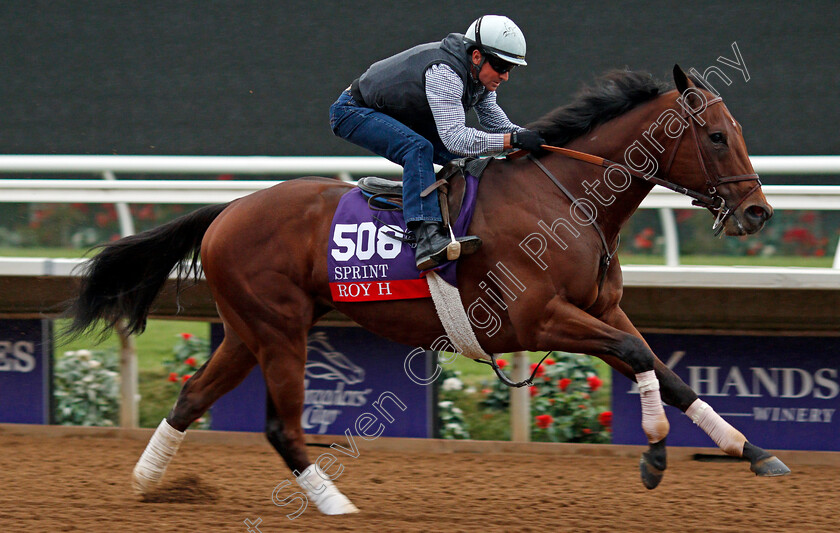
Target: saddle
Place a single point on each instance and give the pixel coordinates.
(384, 194)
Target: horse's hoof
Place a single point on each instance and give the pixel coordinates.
(769, 467)
(764, 464)
(652, 464)
(142, 484)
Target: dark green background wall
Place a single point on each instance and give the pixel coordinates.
(241, 78)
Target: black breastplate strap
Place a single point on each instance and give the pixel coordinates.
(606, 257)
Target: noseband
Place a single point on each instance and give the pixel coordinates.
(711, 199)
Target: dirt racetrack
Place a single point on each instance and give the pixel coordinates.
(81, 483)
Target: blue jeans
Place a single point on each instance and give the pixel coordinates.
(393, 140)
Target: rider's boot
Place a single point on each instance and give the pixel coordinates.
(432, 242)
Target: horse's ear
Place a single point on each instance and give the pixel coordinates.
(681, 80)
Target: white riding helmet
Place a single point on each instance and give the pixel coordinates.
(498, 36)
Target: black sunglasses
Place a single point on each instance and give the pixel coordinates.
(499, 65)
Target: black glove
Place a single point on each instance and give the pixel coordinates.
(530, 140)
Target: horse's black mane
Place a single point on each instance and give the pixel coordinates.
(613, 94)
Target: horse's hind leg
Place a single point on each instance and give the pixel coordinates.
(284, 374)
(228, 366)
(677, 393)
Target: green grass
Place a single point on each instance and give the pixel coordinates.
(153, 346)
(729, 260)
(6, 251)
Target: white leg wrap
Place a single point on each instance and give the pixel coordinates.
(152, 464)
(729, 439)
(326, 496)
(654, 422)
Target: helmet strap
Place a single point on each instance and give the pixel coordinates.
(476, 69)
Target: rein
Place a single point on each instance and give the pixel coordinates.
(712, 200)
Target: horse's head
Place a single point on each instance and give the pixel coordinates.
(711, 159)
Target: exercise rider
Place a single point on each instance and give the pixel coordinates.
(411, 108)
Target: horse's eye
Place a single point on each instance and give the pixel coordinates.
(717, 138)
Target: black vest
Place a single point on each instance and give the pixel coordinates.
(396, 86)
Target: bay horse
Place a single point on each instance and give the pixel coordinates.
(553, 219)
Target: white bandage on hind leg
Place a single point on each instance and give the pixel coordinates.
(321, 490)
(729, 439)
(152, 464)
(654, 422)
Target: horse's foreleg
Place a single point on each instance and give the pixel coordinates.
(570, 329)
(677, 393)
(284, 375)
(231, 363)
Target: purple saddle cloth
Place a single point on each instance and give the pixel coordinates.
(366, 262)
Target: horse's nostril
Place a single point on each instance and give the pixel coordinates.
(758, 213)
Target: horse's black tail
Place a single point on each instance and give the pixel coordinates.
(123, 279)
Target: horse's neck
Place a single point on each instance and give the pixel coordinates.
(615, 204)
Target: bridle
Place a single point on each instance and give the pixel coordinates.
(711, 199)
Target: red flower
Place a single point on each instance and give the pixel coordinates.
(819, 252)
(564, 383)
(186, 336)
(173, 377)
(642, 242)
(549, 361)
(190, 361)
(605, 418)
(594, 382)
(801, 235)
(587, 431)
(501, 363)
(534, 390)
(581, 406)
(544, 421)
(147, 212)
(186, 377)
(102, 219)
(540, 369)
(486, 391)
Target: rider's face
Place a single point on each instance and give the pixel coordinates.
(488, 76)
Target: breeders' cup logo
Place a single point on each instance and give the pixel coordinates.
(326, 363)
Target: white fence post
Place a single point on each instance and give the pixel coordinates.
(520, 400)
(837, 256)
(128, 351)
(672, 240)
(128, 379)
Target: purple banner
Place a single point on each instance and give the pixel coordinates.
(350, 373)
(25, 370)
(781, 392)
